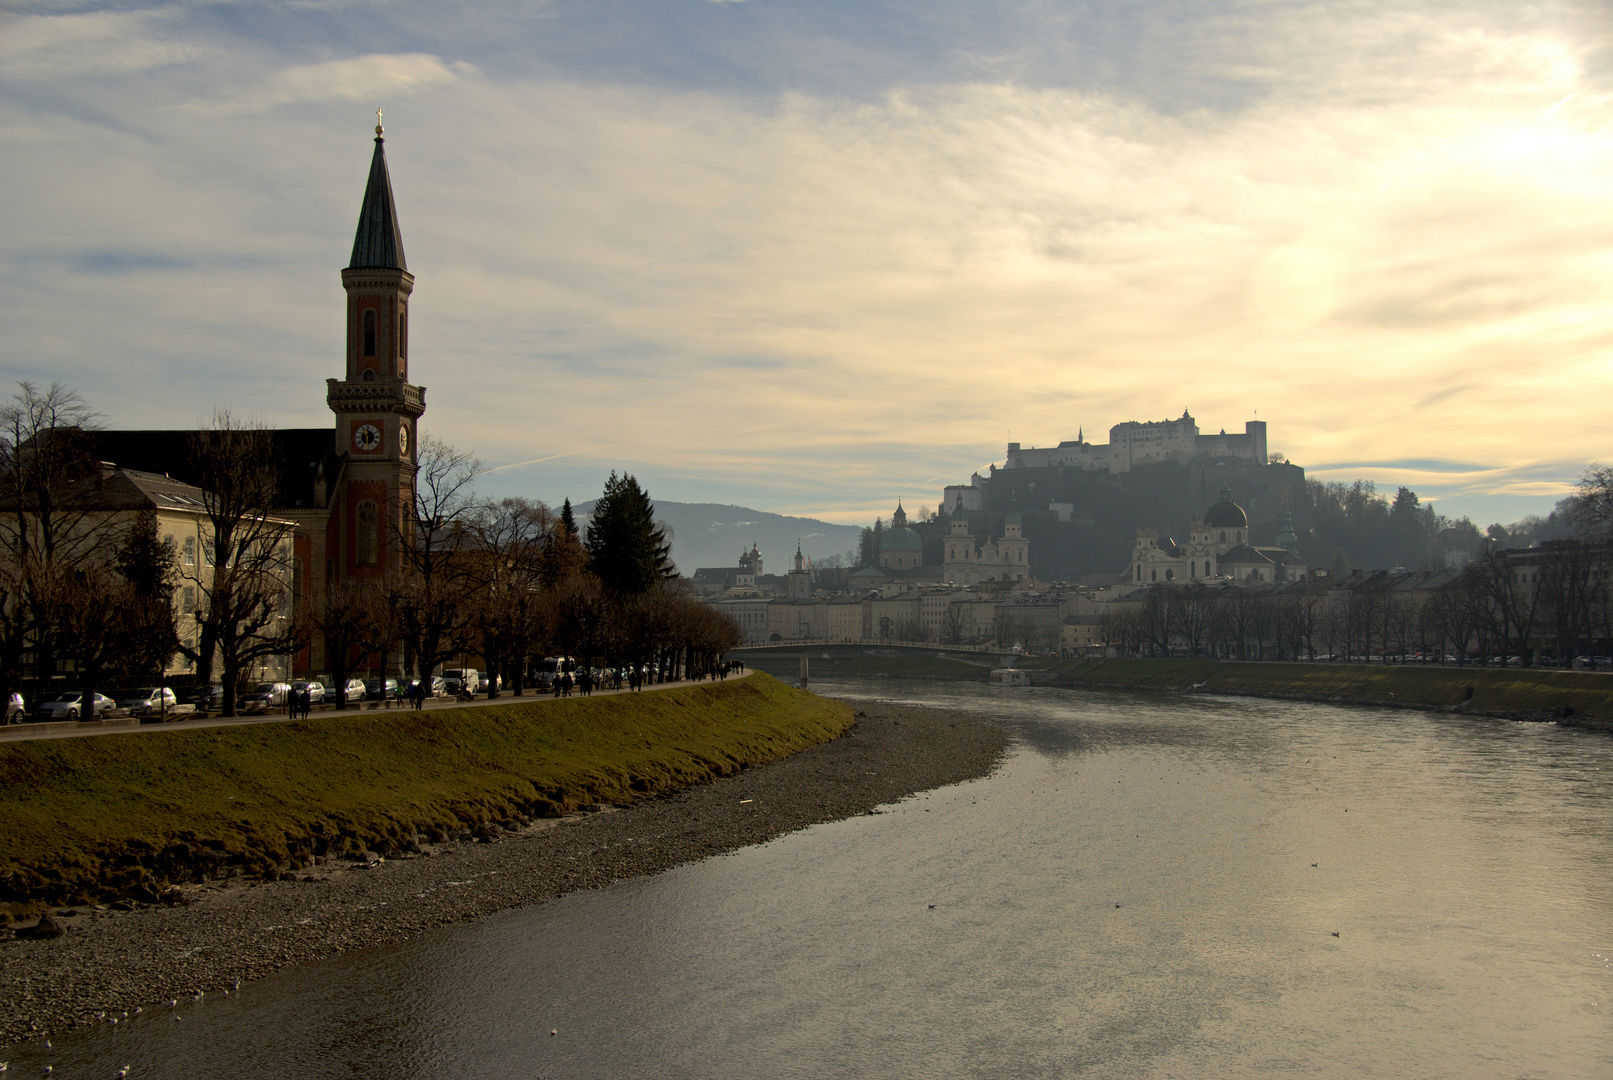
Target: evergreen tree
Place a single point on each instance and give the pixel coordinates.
(563, 556)
(627, 549)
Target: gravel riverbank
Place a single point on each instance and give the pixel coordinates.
(109, 962)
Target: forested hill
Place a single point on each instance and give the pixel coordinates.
(714, 534)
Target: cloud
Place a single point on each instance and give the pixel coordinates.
(93, 44)
(1394, 249)
(372, 78)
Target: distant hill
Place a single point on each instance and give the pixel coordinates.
(713, 534)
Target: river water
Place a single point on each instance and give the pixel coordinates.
(1149, 887)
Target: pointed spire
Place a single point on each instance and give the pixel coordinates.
(378, 243)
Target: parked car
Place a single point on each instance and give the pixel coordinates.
(381, 689)
(315, 691)
(71, 707)
(356, 690)
(266, 695)
(149, 701)
(16, 710)
(208, 698)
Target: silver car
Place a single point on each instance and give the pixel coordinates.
(70, 706)
(150, 701)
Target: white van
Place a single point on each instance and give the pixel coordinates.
(456, 679)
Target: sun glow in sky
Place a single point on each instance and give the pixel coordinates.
(811, 257)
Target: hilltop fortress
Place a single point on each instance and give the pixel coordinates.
(1131, 445)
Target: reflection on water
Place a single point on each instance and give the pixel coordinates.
(1149, 887)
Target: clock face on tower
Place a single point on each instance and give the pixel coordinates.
(367, 437)
(403, 439)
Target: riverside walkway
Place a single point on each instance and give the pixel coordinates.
(132, 725)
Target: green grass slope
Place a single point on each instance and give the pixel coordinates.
(94, 818)
(1512, 691)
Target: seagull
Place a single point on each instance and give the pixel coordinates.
(121, 1073)
(553, 1032)
(48, 1070)
(1335, 933)
(173, 1003)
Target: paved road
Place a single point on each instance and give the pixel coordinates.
(279, 716)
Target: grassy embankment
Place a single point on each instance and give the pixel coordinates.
(1534, 694)
(108, 816)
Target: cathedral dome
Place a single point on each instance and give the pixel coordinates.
(900, 538)
(1226, 514)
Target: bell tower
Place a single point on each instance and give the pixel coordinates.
(377, 408)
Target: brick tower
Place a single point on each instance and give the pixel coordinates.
(377, 408)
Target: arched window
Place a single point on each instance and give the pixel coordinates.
(369, 375)
(368, 528)
(1153, 575)
(369, 332)
(1240, 536)
(1170, 575)
(1223, 537)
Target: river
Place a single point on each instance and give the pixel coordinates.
(1149, 887)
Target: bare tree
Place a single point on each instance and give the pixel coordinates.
(1591, 507)
(430, 580)
(48, 532)
(510, 539)
(243, 580)
(1193, 611)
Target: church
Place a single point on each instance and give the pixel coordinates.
(1218, 547)
(349, 487)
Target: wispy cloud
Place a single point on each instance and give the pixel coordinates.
(376, 77)
(1389, 236)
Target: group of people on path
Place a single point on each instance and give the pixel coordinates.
(722, 671)
(299, 703)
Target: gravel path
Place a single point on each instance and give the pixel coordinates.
(113, 961)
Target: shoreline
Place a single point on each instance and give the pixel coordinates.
(112, 961)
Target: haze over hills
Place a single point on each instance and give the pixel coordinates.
(714, 534)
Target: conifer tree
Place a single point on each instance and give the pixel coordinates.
(627, 549)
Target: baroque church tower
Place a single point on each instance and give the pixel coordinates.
(377, 408)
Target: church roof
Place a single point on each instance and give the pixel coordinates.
(378, 243)
(1243, 554)
(1226, 514)
(900, 538)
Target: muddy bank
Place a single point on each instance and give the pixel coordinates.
(111, 961)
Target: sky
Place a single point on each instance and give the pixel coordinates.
(815, 257)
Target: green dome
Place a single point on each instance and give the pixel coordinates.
(1012, 518)
(900, 538)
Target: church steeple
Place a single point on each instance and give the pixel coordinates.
(378, 243)
(377, 408)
